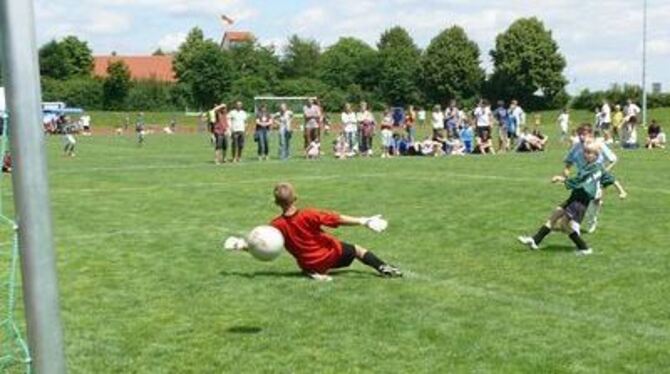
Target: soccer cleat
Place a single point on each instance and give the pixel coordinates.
(585, 252)
(528, 241)
(389, 271)
(320, 277)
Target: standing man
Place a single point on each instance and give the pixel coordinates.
(285, 118)
(366, 122)
(220, 130)
(139, 129)
(238, 123)
(631, 110)
(517, 118)
(606, 120)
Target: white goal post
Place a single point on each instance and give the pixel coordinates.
(294, 103)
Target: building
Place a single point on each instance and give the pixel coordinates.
(232, 38)
(141, 67)
(656, 88)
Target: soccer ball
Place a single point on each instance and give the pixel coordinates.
(265, 243)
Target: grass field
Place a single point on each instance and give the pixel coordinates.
(146, 287)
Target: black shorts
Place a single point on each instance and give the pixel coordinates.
(348, 256)
(480, 130)
(605, 126)
(220, 142)
(575, 209)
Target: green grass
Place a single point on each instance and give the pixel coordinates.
(146, 287)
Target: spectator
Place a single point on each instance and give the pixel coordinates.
(387, 134)
(530, 141)
(467, 136)
(631, 110)
(629, 134)
(410, 123)
(483, 117)
(617, 123)
(421, 115)
(366, 122)
(313, 151)
(263, 124)
(313, 118)
(285, 118)
(655, 136)
(517, 120)
(438, 122)
(452, 120)
(221, 131)
(606, 120)
(501, 116)
(484, 143)
(238, 124)
(350, 127)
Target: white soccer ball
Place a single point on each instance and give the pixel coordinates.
(265, 243)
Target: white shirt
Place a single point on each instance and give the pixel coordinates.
(312, 115)
(285, 120)
(518, 114)
(238, 120)
(349, 121)
(422, 115)
(632, 110)
(606, 113)
(438, 120)
(483, 116)
(365, 117)
(86, 121)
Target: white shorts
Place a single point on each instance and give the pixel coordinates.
(387, 138)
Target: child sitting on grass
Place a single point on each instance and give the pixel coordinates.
(584, 187)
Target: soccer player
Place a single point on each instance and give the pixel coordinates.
(564, 125)
(140, 129)
(584, 187)
(238, 123)
(577, 157)
(69, 141)
(316, 251)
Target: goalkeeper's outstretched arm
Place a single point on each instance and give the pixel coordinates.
(375, 223)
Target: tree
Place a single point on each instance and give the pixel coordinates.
(65, 59)
(252, 59)
(203, 70)
(158, 52)
(116, 86)
(348, 62)
(301, 58)
(400, 68)
(527, 62)
(451, 67)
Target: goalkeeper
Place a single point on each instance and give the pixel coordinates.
(315, 251)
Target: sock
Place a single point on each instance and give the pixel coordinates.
(579, 242)
(541, 234)
(372, 261)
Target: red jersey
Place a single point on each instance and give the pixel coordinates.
(313, 249)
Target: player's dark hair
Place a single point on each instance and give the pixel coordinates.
(585, 128)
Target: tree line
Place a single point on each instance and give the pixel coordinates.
(527, 65)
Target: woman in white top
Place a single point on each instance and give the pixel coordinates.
(350, 125)
(284, 118)
(438, 122)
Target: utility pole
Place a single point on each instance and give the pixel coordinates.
(644, 65)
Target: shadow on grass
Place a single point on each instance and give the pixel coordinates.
(348, 273)
(244, 330)
(558, 248)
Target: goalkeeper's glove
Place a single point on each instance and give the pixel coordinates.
(375, 223)
(235, 244)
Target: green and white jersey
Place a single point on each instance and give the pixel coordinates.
(588, 182)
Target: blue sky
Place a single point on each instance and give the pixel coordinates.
(601, 39)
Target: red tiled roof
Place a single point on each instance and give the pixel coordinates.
(238, 36)
(141, 67)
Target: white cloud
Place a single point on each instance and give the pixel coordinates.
(659, 47)
(106, 22)
(603, 67)
(172, 41)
